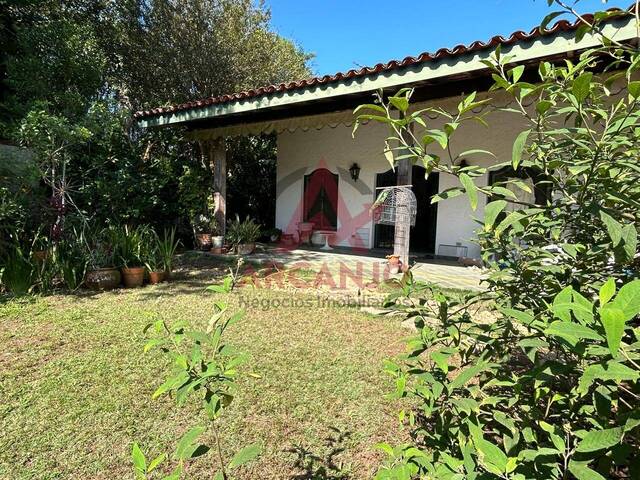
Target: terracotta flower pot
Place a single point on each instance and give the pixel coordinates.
(40, 255)
(246, 248)
(102, 279)
(394, 263)
(203, 240)
(156, 277)
(133, 277)
(216, 250)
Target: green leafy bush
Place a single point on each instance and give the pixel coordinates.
(239, 232)
(130, 244)
(544, 383)
(207, 369)
(18, 272)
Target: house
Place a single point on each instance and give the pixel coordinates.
(329, 179)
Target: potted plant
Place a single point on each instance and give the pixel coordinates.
(101, 271)
(394, 263)
(166, 246)
(202, 231)
(130, 243)
(242, 235)
(153, 262)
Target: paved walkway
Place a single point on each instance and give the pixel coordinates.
(350, 268)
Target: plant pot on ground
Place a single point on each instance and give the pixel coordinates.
(242, 235)
(246, 248)
(153, 262)
(130, 242)
(159, 255)
(394, 263)
(204, 229)
(217, 241)
(101, 271)
(167, 247)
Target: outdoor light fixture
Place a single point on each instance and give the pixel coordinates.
(355, 172)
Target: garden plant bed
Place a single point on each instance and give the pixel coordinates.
(77, 385)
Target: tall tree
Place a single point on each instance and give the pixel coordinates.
(172, 51)
(90, 63)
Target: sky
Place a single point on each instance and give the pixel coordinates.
(345, 34)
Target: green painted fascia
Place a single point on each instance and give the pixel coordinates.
(562, 43)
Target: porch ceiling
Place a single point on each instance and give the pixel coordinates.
(270, 108)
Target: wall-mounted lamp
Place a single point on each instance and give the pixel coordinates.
(354, 170)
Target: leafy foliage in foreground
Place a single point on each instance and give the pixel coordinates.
(548, 388)
(206, 368)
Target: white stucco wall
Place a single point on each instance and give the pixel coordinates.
(301, 152)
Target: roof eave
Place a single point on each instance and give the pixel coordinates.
(561, 43)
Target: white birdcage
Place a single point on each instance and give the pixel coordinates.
(395, 206)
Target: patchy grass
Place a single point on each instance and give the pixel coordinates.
(76, 387)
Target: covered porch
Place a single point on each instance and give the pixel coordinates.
(329, 179)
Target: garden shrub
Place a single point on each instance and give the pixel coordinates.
(548, 388)
(207, 369)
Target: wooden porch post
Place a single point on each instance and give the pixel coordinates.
(218, 159)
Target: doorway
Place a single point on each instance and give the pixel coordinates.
(321, 199)
(423, 234)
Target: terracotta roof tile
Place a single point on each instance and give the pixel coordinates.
(515, 37)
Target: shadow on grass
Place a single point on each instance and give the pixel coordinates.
(322, 465)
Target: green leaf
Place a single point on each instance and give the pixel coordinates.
(491, 454)
(511, 219)
(613, 321)
(582, 86)
(562, 304)
(436, 136)
(615, 371)
(245, 455)
(475, 151)
(548, 19)
(543, 106)
(139, 462)
(388, 154)
(600, 439)
(175, 475)
(471, 189)
(628, 299)
(156, 461)
(401, 103)
(491, 212)
(607, 291)
(186, 446)
(630, 241)
(634, 89)
(582, 472)
(441, 358)
(154, 342)
(518, 148)
(572, 332)
(516, 73)
(466, 375)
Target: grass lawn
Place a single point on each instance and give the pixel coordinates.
(75, 386)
